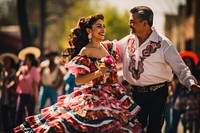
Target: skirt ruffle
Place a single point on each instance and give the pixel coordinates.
(96, 109)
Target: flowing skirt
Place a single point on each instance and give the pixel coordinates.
(90, 108)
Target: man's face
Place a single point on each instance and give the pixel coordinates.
(136, 25)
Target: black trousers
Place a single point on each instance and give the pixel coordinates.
(152, 108)
(8, 118)
(24, 101)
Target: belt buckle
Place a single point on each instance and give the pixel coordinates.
(156, 87)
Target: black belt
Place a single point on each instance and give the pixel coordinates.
(149, 88)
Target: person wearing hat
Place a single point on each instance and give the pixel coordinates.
(28, 78)
(8, 88)
(51, 79)
(186, 103)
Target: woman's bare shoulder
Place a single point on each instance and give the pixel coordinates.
(86, 51)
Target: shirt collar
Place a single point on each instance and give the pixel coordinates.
(154, 36)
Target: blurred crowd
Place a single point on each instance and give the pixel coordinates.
(29, 84)
(184, 106)
(26, 84)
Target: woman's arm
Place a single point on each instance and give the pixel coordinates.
(83, 79)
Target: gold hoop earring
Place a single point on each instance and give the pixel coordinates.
(89, 37)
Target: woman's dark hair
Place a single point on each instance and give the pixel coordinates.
(79, 35)
(12, 62)
(33, 60)
(145, 13)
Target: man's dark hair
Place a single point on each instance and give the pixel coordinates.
(145, 13)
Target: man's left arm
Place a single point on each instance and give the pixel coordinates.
(172, 57)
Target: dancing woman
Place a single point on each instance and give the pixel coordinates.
(100, 105)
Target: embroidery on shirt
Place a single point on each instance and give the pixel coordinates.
(150, 49)
(131, 46)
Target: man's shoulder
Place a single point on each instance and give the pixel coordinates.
(163, 39)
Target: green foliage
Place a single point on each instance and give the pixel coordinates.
(116, 23)
(62, 16)
(79, 10)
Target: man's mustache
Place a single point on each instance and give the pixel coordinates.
(130, 26)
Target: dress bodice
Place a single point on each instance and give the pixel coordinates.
(83, 64)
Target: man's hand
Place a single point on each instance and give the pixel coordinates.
(195, 88)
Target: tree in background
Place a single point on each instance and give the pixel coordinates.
(51, 21)
(116, 23)
(8, 14)
(23, 23)
(71, 20)
(34, 26)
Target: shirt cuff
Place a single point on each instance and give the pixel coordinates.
(190, 83)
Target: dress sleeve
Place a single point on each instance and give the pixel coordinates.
(79, 65)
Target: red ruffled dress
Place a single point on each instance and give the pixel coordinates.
(101, 106)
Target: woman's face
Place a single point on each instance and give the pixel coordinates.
(27, 61)
(98, 30)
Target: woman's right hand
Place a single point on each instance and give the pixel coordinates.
(102, 69)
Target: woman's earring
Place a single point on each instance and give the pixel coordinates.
(89, 37)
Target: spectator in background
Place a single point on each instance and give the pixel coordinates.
(8, 89)
(1, 73)
(51, 79)
(186, 103)
(69, 78)
(168, 107)
(1, 85)
(70, 82)
(28, 78)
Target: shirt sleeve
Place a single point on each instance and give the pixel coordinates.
(178, 66)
